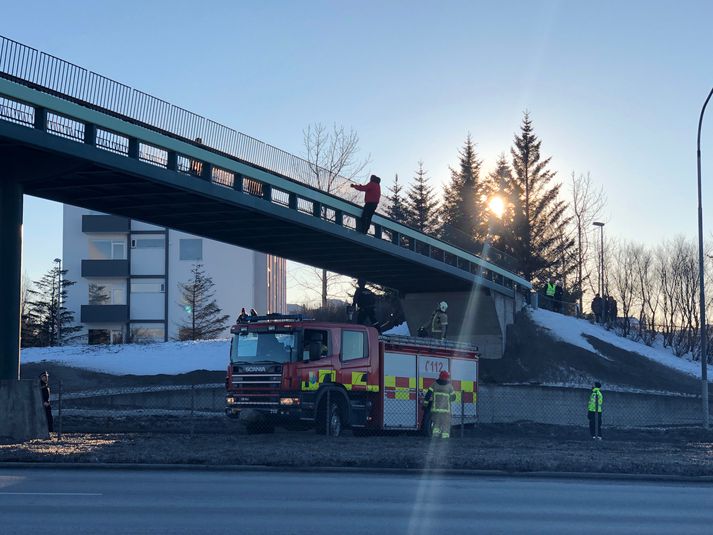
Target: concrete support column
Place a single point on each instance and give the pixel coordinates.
(10, 277)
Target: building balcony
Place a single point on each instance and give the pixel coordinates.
(104, 314)
(105, 224)
(105, 268)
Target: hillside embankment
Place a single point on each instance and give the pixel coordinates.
(534, 355)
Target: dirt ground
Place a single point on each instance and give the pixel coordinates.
(514, 448)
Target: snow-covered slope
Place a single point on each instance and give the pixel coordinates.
(137, 359)
(144, 359)
(571, 331)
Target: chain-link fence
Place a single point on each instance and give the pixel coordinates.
(200, 408)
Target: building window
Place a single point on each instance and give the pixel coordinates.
(98, 336)
(147, 287)
(118, 296)
(108, 250)
(117, 337)
(353, 345)
(105, 336)
(142, 334)
(101, 294)
(191, 249)
(147, 243)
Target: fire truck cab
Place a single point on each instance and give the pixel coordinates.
(291, 371)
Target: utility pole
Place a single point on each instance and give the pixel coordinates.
(704, 348)
(58, 261)
(601, 257)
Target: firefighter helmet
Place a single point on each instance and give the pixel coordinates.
(444, 375)
(443, 306)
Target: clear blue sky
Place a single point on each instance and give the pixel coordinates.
(613, 88)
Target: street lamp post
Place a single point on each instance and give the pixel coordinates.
(59, 300)
(601, 257)
(704, 349)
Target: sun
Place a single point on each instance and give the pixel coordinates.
(497, 206)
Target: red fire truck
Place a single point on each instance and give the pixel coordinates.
(290, 371)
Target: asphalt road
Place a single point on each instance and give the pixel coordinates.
(112, 501)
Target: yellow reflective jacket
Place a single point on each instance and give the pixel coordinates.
(439, 397)
(595, 401)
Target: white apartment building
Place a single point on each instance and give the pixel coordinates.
(127, 276)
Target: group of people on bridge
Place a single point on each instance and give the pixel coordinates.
(604, 309)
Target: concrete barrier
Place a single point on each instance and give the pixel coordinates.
(22, 416)
(568, 406)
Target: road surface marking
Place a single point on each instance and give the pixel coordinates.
(50, 494)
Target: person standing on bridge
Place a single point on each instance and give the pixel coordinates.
(372, 194)
(439, 321)
(365, 303)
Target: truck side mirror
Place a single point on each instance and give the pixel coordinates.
(315, 350)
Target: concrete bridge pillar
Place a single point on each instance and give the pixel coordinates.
(21, 412)
(10, 277)
(479, 317)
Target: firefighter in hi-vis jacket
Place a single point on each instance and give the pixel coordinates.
(438, 400)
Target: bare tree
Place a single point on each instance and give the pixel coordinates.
(332, 157)
(647, 293)
(621, 275)
(586, 205)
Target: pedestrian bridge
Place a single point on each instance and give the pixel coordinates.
(72, 136)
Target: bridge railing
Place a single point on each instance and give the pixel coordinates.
(48, 73)
(27, 64)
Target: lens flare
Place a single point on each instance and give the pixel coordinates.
(497, 206)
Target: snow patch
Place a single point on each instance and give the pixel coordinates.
(138, 359)
(572, 330)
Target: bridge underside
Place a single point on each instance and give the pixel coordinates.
(107, 183)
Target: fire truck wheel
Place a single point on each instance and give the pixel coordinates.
(335, 421)
(333, 425)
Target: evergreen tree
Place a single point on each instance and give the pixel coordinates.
(46, 321)
(462, 201)
(499, 185)
(397, 208)
(203, 315)
(535, 236)
(421, 203)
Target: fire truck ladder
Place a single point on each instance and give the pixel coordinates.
(415, 341)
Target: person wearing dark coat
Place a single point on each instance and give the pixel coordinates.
(243, 317)
(45, 390)
(372, 194)
(365, 303)
(597, 308)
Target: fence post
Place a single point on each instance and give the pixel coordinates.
(462, 414)
(193, 408)
(59, 413)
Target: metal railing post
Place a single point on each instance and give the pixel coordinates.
(193, 408)
(462, 414)
(327, 415)
(59, 412)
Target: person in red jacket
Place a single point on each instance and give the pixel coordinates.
(372, 194)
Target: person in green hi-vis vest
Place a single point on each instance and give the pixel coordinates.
(594, 411)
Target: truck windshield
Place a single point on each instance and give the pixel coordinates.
(260, 347)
